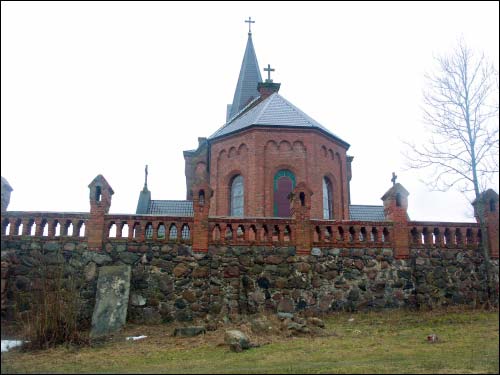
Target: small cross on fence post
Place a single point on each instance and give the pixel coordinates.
(393, 179)
(249, 21)
(268, 70)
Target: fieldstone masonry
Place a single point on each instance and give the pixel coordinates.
(197, 276)
(170, 283)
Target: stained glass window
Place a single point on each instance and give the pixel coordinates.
(284, 183)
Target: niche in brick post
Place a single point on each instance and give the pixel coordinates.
(396, 210)
(100, 202)
(202, 194)
(486, 206)
(300, 208)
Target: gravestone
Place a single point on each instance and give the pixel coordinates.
(110, 310)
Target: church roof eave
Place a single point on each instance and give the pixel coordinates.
(270, 126)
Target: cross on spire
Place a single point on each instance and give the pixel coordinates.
(249, 21)
(268, 70)
(393, 179)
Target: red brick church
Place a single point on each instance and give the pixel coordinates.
(270, 176)
(264, 150)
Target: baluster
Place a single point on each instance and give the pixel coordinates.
(281, 234)
(155, 230)
(458, 235)
(119, 229)
(439, 235)
(234, 228)
(357, 233)
(333, 235)
(26, 227)
(12, 230)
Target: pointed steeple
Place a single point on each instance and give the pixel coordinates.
(144, 196)
(249, 77)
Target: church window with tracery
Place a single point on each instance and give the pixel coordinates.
(237, 196)
(327, 199)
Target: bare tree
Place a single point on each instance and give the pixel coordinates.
(461, 114)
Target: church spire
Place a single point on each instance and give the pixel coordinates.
(144, 196)
(246, 88)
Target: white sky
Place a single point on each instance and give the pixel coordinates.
(104, 88)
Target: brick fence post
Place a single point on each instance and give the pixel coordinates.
(487, 207)
(300, 208)
(100, 201)
(201, 193)
(395, 210)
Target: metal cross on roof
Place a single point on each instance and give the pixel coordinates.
(393, 179)
(268, 70)
(249, 21)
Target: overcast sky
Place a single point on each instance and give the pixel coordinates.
(105, 88)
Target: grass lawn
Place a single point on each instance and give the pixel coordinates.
(393, 341)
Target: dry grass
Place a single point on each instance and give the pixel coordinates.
(53, 315)
(376, 342)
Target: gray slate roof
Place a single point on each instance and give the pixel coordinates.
(185, 208)
(171, 208)
(246, 88)
(366, 213)
(272, 111)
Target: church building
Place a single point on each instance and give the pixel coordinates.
(255, 160)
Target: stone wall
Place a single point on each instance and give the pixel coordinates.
(170, 282)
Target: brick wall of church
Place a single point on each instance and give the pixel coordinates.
(258, 154)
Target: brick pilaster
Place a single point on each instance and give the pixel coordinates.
(395, 210)
(201, 207)
(100, 202)
(300, 207)
(487, 207)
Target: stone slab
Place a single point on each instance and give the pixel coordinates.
(110, 310)
(190, 331)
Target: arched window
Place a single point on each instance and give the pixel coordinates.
(161, 231)
(98, 193)
(201, 198)
(327, 199)
(172, 232)
(398, 200)
(149, 231)
(185, 233)
(284, 183)
(237, 196)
